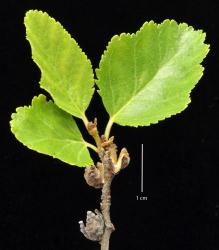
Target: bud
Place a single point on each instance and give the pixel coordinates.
(94, 176)
(94, 228)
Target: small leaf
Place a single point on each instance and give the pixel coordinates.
(148, 76)
(47, 129)
(66, 72)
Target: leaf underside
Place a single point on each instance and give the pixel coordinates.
(47, 129)
(66, 72)
(148, 76)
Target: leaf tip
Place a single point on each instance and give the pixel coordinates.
(32, 13)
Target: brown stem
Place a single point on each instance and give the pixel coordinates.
(105, 209)
(98, 225)
(105, 156)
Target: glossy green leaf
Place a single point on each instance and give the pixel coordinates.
(66, 72)
(148, 76)
(47, 129)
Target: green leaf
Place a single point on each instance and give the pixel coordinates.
(148, 76)
(66, 72)
(47, 129)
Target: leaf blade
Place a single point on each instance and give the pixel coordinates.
(148, 76)
(66, 71)
(45, 128)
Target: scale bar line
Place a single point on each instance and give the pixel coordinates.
(142, 165)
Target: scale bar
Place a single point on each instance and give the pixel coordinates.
(142, 165)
